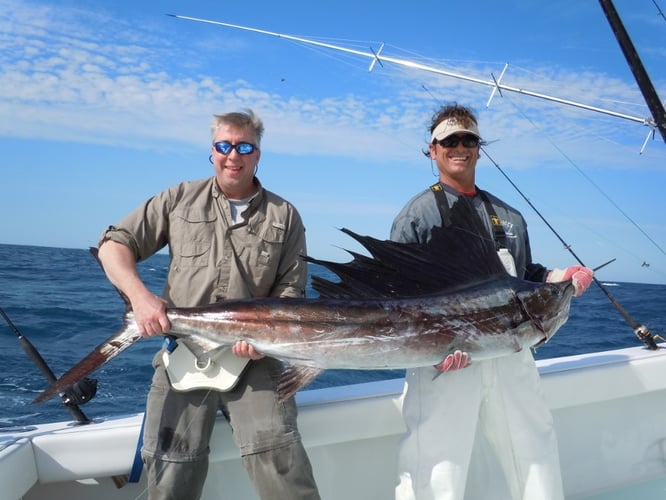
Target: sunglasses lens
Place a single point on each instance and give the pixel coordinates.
(450, 142)
(223, 147)
(468, 140)
(245, 148)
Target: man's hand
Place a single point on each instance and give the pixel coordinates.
(580, 276)
(150, 315)
(244, 350)
(119, 264)
(455, 361)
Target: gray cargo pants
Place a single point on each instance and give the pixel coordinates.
(179, 425)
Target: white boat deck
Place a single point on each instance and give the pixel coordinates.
(609, 409)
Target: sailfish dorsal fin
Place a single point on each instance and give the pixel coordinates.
(455, 255)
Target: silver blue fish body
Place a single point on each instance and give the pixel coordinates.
(486, 319)
(404, 306)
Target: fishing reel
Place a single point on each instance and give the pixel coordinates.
(645, 336)
(80, 393)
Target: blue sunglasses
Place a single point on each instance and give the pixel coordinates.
(242, 148)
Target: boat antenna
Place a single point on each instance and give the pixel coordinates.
(75, 395)
(641, 331)
(640, 74)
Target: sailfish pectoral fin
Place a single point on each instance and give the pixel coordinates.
(294, 378)
(103, 353)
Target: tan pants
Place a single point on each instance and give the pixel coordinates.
(179, 426)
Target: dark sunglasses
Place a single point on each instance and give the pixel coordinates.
(243, 148)
(468, 140)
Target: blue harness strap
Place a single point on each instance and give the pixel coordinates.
(137, 466)
(170, 343)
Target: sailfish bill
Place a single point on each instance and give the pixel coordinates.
(404, 306)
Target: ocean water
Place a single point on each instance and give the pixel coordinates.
(60, 300)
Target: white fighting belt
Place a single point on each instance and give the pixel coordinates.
(219, 369)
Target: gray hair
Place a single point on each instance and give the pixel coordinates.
(240, 119)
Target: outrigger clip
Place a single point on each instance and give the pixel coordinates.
(497, 86)
(376, 58)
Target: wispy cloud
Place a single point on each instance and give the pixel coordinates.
(77, 75)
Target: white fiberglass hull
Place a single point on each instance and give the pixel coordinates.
(609, 410)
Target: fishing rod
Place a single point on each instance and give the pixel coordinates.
(641, 331)
(75, 395)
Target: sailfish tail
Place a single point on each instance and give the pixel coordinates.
(103, 353)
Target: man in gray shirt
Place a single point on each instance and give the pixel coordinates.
(500, 397)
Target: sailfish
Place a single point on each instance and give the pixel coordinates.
(404, 305)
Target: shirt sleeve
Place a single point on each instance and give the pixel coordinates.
(415, 221)
(145, 230)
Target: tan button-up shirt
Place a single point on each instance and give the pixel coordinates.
(212, 258)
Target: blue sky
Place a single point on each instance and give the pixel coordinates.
(103, 104)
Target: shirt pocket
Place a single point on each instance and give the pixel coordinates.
(260, 255)
(191, 237)
(271, 239)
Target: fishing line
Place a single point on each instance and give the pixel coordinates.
(587, 178)
(641, 331)
(659, 11)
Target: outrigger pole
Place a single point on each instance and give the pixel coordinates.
(658, 114)
(640, 74)
(378, 57)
